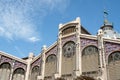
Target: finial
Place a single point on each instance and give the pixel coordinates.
(78, 19)
(60, 25)
(105, 14)
(106, 22)
(31, 55)
(44, 47)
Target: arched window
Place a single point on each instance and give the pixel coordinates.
(51, 58)
(68, 58)
(90, 61)
(90, 50)
(68, 30)
(50, 65)
(5, 71)
(114, 57)
(114, 66)
(19, 74)
(35, 72)
(69, 49)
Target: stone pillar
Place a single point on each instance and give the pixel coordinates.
(12, 70)
(103, 69)
(41, 77)
(59, 56)
(78, 69)
(100, 47)
(28, 66)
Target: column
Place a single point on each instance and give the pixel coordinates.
(11, 75)
(41, 77)
(100, 47)
(59, 56)
(78, 69)
(103, 69)
(28, 66)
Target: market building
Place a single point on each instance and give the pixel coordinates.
(76, 53)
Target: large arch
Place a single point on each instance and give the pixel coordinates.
(35, 72)
(19, 74)
(50, 66)
(68, 59)
(5, 69)
(114, 66)
(90, 61)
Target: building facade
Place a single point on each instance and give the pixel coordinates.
(76, 53)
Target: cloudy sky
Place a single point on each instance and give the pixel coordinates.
(27, 25)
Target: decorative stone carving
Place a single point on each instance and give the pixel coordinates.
(6, 59)
(69, 38)
(111, 47)
(85, 42)
(20, 65)
(37, 62)
(54, 50)
(69, 49)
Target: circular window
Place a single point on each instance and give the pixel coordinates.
(69, 49)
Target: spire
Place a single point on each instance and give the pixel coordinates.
(106, 22)
(105, 14)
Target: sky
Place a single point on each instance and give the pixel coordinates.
(27, 25)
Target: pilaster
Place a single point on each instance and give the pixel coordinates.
(41, 77)
(78, 69)
(28, 66)
(103, 69)
(12, 70)
(59, 56)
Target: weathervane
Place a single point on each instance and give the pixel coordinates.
(105, 17)
(105, 14)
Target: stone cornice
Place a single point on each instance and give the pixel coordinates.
(13, 57)
(88, 36)
(40, 54)
(112, 40)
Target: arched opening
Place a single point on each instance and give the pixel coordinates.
(35, 72)
(90, 61)
(50, 66)
(68, 30)
(114, 66)
(19, 74)
(5, 69)
(68, 59)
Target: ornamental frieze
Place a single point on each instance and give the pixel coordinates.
(68, 38)
(37, 62)
(6, 59)
(18, 64)
(111, 47)
(54, 50)
(86, 42)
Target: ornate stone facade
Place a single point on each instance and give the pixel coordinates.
(76, 55)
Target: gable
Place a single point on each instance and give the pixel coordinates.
(84, 31)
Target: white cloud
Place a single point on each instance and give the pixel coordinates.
(34, 39)
(17, 17)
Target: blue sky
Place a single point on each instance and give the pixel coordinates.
(27, 25)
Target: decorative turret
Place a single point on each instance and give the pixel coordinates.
(108, 29)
